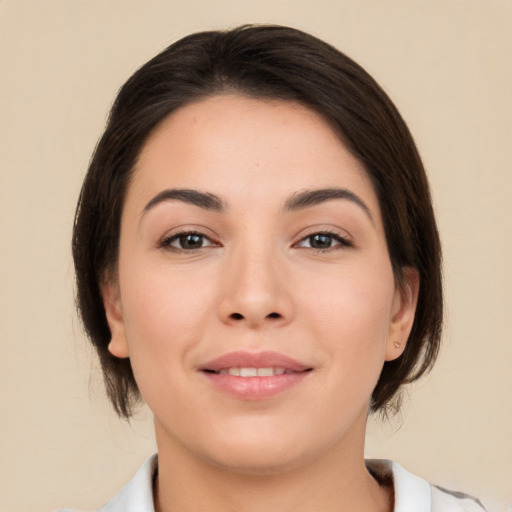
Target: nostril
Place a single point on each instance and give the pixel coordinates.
(239, 316)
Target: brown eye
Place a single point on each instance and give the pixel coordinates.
(324, 241)
(186, 242)
(321, 241)
(190, 241)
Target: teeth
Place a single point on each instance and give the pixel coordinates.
(252, 372)
(248, 372)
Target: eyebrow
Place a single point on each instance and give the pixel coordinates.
(204, 200)
(309, 198)
(298, 201)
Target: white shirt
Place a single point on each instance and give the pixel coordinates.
(412, 493)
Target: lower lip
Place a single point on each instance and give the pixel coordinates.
(255, 388)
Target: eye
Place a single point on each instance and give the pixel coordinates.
(324, 241)
(188, 241)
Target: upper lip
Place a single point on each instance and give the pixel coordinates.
(267, 359)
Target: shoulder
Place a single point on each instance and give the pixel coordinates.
(136, 495)
(443, 499)
(415, 493)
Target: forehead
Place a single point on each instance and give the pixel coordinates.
(229, 144)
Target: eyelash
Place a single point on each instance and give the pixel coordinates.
(342, 242)
(166, 243)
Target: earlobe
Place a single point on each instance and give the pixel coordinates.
(118, 345)
(404, 310)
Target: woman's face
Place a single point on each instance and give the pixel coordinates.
(255, 295)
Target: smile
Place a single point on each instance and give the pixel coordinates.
(253, 372)
(254, 376)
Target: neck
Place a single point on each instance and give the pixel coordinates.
(336, 481)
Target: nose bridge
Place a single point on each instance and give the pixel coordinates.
(255, 291)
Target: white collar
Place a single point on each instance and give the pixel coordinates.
(412, 493)
(137, 494)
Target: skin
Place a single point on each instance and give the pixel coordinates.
(257, 283)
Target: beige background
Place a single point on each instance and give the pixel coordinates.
(448, 66)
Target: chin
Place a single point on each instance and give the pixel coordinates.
(259, 454)
(257, 463)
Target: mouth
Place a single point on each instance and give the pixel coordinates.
(254, 372)
(250, 376)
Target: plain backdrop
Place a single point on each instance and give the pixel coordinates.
(448, 67)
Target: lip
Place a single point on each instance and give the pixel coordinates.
(254, 360)
(255, 388)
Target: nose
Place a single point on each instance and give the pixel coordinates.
(255, 291)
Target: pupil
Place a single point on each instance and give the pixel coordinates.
(191, 241)
(321, 241)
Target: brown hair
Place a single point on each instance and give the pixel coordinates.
(262, 62)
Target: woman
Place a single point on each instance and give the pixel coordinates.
(257, 258)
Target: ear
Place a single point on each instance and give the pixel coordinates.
(402, 315)
(118, 345)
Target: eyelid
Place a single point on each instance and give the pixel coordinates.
(165, 241)
(344, 240)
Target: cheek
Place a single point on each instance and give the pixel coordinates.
(350, 314)
(163, 312)
(162, 323)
